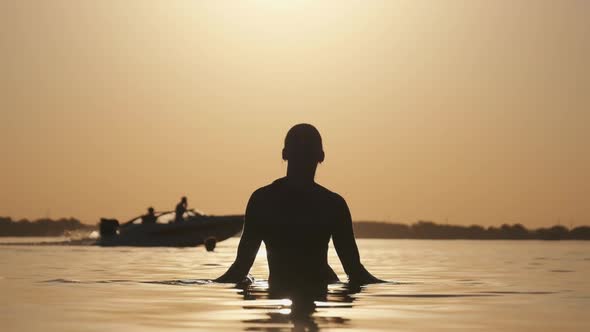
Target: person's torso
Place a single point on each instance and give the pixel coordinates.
(296, 225)
(180, 210)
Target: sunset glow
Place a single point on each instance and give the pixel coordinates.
(467, 112)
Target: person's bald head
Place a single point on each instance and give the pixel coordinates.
(303, 143)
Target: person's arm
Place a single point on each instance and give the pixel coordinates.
(247, 249)
(345, 244)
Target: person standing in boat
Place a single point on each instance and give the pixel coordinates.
(181, 209)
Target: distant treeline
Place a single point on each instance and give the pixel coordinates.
(362, 229)
(40, 227)
(431, 230)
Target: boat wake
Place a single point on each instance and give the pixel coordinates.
(72, 242)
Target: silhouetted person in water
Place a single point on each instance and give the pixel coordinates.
(295, 217)
(150, 217)
(180, 210)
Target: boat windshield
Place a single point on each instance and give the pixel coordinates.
(168, 217)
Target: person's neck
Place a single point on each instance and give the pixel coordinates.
(301, 175)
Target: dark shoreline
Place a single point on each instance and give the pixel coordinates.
(427, 230)
(363, 229)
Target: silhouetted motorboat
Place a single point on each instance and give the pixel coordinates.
(194, 230)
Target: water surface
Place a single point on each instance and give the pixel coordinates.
(438, 285)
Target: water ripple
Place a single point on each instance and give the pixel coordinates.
(432, 295)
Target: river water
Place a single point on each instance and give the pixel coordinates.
(436, 286)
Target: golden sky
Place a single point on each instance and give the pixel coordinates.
(453, 111)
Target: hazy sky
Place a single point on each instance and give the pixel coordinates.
(458, 111)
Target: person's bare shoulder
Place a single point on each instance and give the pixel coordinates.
(333, 197)
(260, 194)
(266, 191)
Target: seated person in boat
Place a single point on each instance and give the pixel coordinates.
(150, 217)
(180, 210)
(296, 217)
